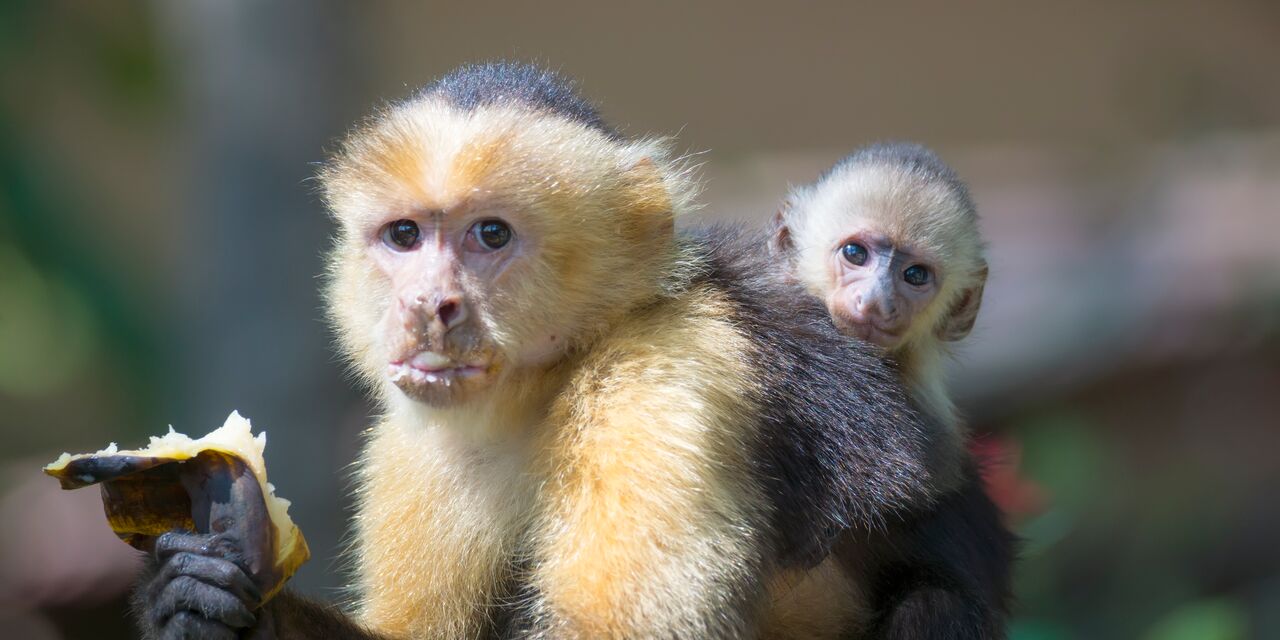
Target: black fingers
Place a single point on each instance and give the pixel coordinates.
(215, 572)
(198, 590)
(174, 542)
(187, 594)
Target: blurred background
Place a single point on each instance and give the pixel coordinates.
(160, 242)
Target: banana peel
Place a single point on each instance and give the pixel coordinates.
(215, 484)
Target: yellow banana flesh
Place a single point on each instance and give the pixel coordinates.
(215, 484)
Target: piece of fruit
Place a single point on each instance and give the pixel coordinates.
(215, 484)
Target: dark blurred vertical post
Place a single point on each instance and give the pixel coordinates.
(264, 90)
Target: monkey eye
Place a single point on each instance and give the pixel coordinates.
(855, 253)
(490, 234)
(401, 235)
(916, 275)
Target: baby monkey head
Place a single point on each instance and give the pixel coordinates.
(889, 238)
(488, 226)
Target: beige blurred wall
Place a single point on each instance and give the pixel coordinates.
(1125, 157)
(737, 77)
(770, 92)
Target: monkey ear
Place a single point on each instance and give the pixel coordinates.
(648, 195)
(962, 315)
(780, 243)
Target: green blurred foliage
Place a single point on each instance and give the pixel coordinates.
(47, 332)
(73, 324)
(1111, 557)
(1202, 620)
(1027, 629)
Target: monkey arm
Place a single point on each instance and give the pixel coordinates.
(295, 617)
(652, 525)
(944, 572)
(197, 587)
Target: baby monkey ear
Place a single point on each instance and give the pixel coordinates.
(959, 320)
(780, 243)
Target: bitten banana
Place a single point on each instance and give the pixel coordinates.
(215, 484)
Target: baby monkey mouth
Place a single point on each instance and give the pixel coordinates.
(874, 333)
(432, 368)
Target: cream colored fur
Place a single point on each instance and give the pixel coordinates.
(620, 470)
(650, 515)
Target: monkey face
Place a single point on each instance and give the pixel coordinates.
(474, 292)
(895, 254)
(438, 348)
(475, 245)
(880, 290)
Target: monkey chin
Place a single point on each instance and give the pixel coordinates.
(440, 386)
(867, 331)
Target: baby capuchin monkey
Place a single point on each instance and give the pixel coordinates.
(590, 426)
(888, 239)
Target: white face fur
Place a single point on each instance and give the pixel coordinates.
(895, 255)
(476, 245)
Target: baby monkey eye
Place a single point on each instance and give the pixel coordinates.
(855, 253)
(491, 234)
(401, 234)
(916, 275)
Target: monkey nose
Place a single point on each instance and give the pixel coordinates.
(450, 311)
(876, 307)
(868, 305)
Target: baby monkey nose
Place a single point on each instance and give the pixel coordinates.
(888, 310)
(877, 306)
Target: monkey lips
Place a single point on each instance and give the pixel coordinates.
(436, 378)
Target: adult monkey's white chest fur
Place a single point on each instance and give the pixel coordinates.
(438, 520)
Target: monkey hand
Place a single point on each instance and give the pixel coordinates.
(199, 588)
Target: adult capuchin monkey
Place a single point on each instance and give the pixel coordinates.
(888, 238)
(591, 427)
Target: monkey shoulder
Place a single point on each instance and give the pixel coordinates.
(678, 366)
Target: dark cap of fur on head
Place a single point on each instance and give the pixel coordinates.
(479, 85)
(911, 156)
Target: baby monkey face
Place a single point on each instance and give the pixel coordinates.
(889, 239)
(880, 287)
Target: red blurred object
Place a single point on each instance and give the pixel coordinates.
(999, 463)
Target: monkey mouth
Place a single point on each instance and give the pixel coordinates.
(427, 368)
(875, 334)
